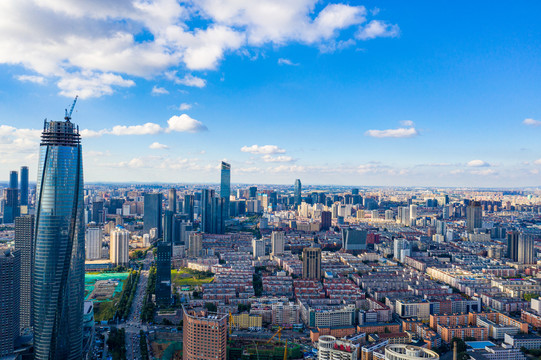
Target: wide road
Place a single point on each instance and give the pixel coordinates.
(133, 325)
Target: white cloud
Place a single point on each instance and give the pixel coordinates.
(187, 80)
(158, 146)
(537, 162)
(156, 90)
(146, 129)
(86, 133)
(184, 123)
(281, 158)
(393, 133)
(377, 28)
(31, 78)
(264, 149)
(477, 163)
(185, 106)
(483, 172)
(407, 123)
(133, 163)
(283, 61)
(531, 122)
(93, 48)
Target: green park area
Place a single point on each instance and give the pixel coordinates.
(111, 292)
(188, 277)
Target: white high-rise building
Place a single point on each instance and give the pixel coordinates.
(258, 248)
(401, 247)
(93, 243)
(277, 242)
(389, 215)
(413, 212)
(119, 246)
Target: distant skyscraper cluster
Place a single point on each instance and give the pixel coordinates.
(15, 197)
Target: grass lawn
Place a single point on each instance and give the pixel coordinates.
(188, 277)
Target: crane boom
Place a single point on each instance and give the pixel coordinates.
(67, 117)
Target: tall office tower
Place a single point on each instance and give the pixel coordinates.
(163, 273)
(11, 207)
(10, 273)
(24, 186)
(277, 242)
(24, 241)
(401, 249)
(389, 215)
(168, 226)
(258, 248)
(186, 227)
(474, 216)
(526, 249)
(311, 263)
(353, 239)
(153, 214)
(252, 192)
(59, 245)
(119, 246)
(225, 185)
(326, 220)
(297, 193)
(512, 245)
(97, 212)
(189, 206)
(213, 213)
(195, 244)
(204, 336)
(13, 180)
(413, 212)
(172, 200)
(93, 243)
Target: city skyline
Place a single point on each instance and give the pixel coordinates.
(452, 106)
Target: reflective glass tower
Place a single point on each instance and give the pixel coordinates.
(59, 248)
(225, 185)
(297, 192)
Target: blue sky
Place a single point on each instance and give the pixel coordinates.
(354, 93)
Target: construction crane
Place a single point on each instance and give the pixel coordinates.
(285, 352)
(67, 117)
(279, 333)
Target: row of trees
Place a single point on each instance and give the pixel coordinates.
(143, 345)
(147, 313)
(117, 344)
(128, 294)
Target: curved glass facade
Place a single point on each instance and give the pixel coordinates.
(59, 249)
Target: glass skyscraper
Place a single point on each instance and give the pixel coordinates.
(225, 185)
(297, 192)
(59, 247)
(24, 185)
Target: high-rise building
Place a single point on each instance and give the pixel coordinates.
(163, 273)
(474, 216)
(153, 214)
(168, 226)
(526, 253)
(59, 246)
(10, 272)
(353, 239)
(258, 248)
(252, 192)
(97, 212)
(24, 241)
(413, 212)
(326, 220)
(24, 186)
(213, 213)
(311, 263)
(172, 201)
(93, 243)
(225, 185)
(204, 336)
(11, 207)
(195, 244)
(512, 245)
(297, 193)
(189, 206)
(331, 348)
(277, 242)
(119, 246)
(401, 249)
